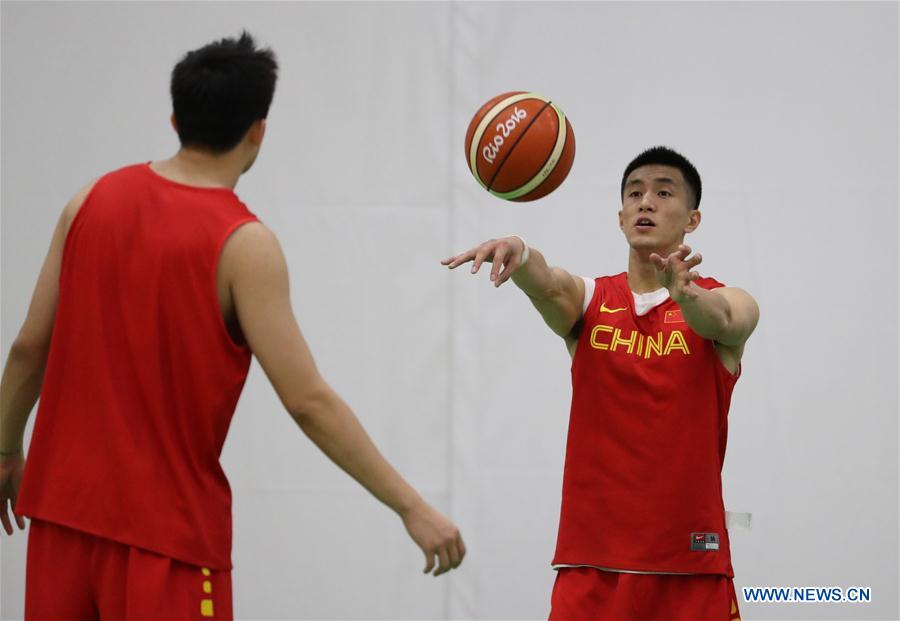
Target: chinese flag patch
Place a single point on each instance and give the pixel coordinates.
(673, 316)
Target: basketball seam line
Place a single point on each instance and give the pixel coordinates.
(513, 145)
(549, 155)
(482, 128)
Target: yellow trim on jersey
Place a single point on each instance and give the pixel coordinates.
(206, 607)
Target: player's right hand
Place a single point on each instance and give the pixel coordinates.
(505, 253)
(436, 536)
(11, 469)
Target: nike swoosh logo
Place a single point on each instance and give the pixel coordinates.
(603, 309)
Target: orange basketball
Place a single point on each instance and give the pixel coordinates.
(520, 146)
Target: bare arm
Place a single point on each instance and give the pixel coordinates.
(726, 315)
(256, 270)
(24, 370)
(555, 293)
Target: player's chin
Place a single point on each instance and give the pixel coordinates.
(652, 242)
(643, 243)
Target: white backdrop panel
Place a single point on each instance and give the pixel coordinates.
(355, 185)
(790, 113)
(376, 324)
(328, 555)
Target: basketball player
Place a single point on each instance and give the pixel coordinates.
(158, 286)
(655, 352)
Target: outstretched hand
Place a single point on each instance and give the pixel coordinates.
(11, 469)
(436, 536)
(675, 273)
(505, 253)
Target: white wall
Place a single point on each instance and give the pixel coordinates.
(788, 110)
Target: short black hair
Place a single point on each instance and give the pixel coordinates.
(220, 90)
(664, 156)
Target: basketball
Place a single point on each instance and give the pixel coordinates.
(520, 146)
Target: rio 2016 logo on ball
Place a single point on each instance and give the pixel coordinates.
(520, 146)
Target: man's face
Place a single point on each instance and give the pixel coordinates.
(656, 208)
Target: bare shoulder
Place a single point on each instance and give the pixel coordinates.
(251, 249)
(75, 203)
(733, 293)
(744, 317)
(560, 304)
(740, 302)
(252, 235)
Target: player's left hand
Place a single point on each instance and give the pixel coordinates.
(675, 273)
(437, 536)
(11, 469)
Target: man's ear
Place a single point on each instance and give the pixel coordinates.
(694, 221)
(257, 132)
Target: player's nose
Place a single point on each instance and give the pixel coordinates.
(646, 203)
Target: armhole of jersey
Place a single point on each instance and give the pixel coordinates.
(589, 286)
(220, 246)
(76, 218)
(732, 377)
(729, 376)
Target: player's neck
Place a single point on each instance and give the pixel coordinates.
(202, 169)
(641, 273)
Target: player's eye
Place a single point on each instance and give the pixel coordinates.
(634, 194)
(665, 193)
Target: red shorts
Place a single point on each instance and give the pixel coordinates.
(73, 575)
(588, 593)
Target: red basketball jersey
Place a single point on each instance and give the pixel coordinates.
(642, 486)
(142, 377)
